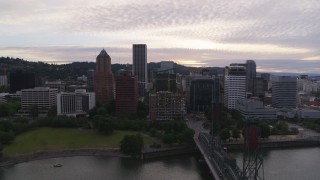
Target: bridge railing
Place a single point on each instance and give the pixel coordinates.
(228, 167)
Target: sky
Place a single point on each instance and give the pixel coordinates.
(280, 35)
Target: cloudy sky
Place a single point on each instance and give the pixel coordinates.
(280, 35)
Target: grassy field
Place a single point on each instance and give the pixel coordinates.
(57, 139)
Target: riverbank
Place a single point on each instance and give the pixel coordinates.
(7, 161)
(274, 144)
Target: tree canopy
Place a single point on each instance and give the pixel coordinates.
(132, 144)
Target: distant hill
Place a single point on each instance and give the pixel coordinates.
(71, 70)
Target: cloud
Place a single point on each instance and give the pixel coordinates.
(201, 31)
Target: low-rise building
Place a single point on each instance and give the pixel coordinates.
(75, 103)
(3, 80)
(305, 114)
(251, 108)
(60, 85)
(42, 97)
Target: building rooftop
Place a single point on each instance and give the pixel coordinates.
(104, 54)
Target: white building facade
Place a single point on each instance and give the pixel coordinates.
(234, 89)
(75, 103)
(251, 108)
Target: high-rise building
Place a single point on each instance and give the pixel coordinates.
(103, 78)
(204, 92)
(21, 80)
(75, 103)
(234, 85)
(90, 79)
(284, 92)
(166, 67)
(139, 67)
(126, 93)
(251, 74)
(165, 106)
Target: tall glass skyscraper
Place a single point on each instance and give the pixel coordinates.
(139, 68)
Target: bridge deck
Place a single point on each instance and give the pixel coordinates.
(210, 162)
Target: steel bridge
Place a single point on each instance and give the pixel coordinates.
(217, 159)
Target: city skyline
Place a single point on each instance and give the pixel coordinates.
(281, 36)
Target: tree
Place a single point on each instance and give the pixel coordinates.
(225, 134)
(103, 124)
(265, 130)
(132, 144)
(169, 138)
(235, 133)
(52, 111)
(6, 137)
(34, 111)
(186, 135)
(1, 150)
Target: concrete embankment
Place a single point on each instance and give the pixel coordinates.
(274, 144)
(168, 152)
(5, 161)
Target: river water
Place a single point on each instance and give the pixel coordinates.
(182, 167)
(283, 164)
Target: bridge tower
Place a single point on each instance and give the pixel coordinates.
(252, 156)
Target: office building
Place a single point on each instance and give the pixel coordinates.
(166, 67)
(284, 92)
(251, 76)
(90, 79)
(42, 97)
(139, 66)
(21, 80)
(234, 85)
(103, 79)
(75, 103)
(60, 85)
(254, 109)
(3, 80)
(251, 73)
(126, 93)
(166, 106)
(204, 92)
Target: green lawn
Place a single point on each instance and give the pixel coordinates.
(56, 139)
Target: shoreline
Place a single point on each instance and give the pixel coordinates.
(9, 161)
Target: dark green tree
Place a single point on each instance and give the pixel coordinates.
(1, 148)
(186, 136)
(52, 111)
(169, 138)
(103, 124)
(235, 133)
(132, 144)
(6, 137)
(264, 130)
(34, 110)
(225, 134)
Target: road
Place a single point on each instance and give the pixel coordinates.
(195, 125)
(303, 132)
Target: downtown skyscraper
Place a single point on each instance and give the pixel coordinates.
(103, 78)
(139, 68)
(235, 83)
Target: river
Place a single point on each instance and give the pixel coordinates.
(182, 167)
(280, 164)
